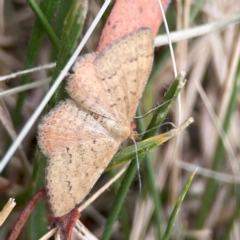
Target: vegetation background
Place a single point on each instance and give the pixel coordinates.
(211, 208)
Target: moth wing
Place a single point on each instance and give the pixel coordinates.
(110, 83)
(72, 172)
(86, 89)
(123, 69)
(67, 124)
(78, 150)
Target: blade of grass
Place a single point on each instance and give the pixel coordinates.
(117, 205)
(128, 153)
(37, 223)
(197, 7)
(149, 171)
(234, 218)
(176, 208)
(44, 22)
(72, 28)
(158, 118)
(58, 22)
(168, 100)
(149, 174)
(47, 7)
(24, 87)
(151, 178)
(124, 221)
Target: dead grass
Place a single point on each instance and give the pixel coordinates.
(211, 62)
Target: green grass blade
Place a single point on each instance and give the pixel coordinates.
(234, 218)
(149, 175)
(58, 22)
(163, 110)
(47, 7)
(150, 178)
(176, 208)
(128, 153)
(117, 205)
(45, 23)
(124, 221)
(37, 224)
(196, 9)
(71, 30)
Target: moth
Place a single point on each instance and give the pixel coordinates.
(81, 135)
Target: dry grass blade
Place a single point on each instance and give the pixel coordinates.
(104, 188)
(24, 87)
(7, 210)
(207, 49)
(7, 123)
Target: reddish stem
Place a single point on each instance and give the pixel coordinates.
(66, 223)
(39, 195)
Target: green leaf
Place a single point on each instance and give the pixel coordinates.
(44, 22)
(72, 28)
(158, 117)
(176, 208)
(141, 148)
(47, 8)
(38, 219)
(164, 108)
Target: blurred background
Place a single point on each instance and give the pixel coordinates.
(211, 208)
